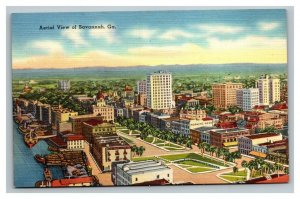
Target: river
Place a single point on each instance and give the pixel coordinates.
(26, 170)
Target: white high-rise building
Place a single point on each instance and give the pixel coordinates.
(159, 90)
(142, 87)
(247, 98)
(64, 85)
(269, 90)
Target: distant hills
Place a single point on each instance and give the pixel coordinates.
(138, 72)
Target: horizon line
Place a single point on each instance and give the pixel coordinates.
(164, 65)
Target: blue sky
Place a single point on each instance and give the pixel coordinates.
(139, 34)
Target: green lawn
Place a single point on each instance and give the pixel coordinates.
(242, 174)
(138, 159)
(185, 166)
(172, 149)
(193, 163)
(125, 131)
(136, 132)
(239, 173)
(169, 145)
(234, 178)
(158, 141)
(191, 156)
(198, 169)
(149, 139)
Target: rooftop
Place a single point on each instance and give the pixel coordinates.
(83, 116)
(147, 166)
(94, 122)
(262, 135)
(111, 141)
(274, 144)
(75, 137)
(206, 128)
(232, 130)
(281, 106)
(153, 183)
(71, 181)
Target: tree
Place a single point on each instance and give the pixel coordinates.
(235, 170)
(201, 146)
(244, 165)
(140, 150)
(234, 109)
(219, 152)
(213, 150)
(134, 149)
(278, 167)
(189, 143)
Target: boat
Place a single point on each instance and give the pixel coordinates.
(47, 174)
(30, 139)
(53, 149)
(40, 159)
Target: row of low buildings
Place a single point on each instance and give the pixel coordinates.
(271, 146)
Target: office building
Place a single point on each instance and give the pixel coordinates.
(159, 90)
(224, 94)
(247, 98)
(269, 90)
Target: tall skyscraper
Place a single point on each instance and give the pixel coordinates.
(247, 98)
(224, 94)
(269, 90)
(159, 90)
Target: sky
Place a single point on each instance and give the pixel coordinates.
(149, 38)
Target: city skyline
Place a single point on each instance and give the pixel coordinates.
(139, 38)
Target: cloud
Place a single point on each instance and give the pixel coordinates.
(143, 33)
(48, 46)
(251, 49)
(267, 26)
(75, 36)
(108, 35)
(249, 42)
(219, 29)
(175, 34)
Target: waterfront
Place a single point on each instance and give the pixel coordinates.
(26, 170)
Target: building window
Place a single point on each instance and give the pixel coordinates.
(157, 176)
(136, 179)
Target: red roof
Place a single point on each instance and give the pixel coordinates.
(226, 125)
(280, 179)
(253, 119)
(75, 137)
(94, 122)
(153, 183)
(71, 181)
(128, 88)
(260, 107)
(262, 135)
(282, 106)
(275, 144)
(58, 141)
(207, 118)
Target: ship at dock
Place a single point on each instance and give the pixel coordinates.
(30, 139)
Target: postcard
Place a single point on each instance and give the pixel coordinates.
(139, 98)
